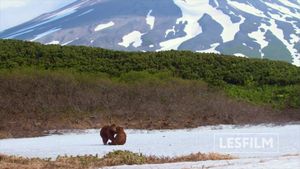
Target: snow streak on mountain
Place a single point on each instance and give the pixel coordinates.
(248, 28)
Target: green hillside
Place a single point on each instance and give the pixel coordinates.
(213, 68)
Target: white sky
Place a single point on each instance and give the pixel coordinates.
(15, 12)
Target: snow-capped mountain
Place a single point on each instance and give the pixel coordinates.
(251, 28)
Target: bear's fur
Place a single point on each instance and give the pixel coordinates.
(107, 133)
(120, 138)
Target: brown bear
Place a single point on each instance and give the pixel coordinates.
(107, 133)
(120, 138)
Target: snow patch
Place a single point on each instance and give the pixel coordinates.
(86, 12)
(296, 60)
(294, 38)
(217, 3)
(29, 28)
(280, 35)
(240, 55)
(45, 33)
(289, 4)
(104, 26)
(297, 29)
(283, 10)
(52, 17)
(64, 12)
(230, 29)
(170, 30)
(68, 42)
(17, 34)
(171, 142)
(212, 49)
(277, 17)
(55, 42)
(246, 8)
(134, 38)
(259, 37)
(192, 11)
(150, 20)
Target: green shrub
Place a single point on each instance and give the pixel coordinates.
(277, 96)
(124, 157)
(213, 68)
(254, 80)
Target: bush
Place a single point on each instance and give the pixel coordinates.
(277, 96)
(213, 68)
(120, 157)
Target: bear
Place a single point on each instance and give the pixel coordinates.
(120, 138)
(107, 133)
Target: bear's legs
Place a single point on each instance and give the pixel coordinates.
(105, 140)
(113, 142)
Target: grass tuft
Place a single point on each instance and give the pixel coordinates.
(111, 159)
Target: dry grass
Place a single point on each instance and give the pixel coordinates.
(34, 102)
(191, 157)
(111, 159)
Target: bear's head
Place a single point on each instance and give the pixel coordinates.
(113, 128)
(120, 129)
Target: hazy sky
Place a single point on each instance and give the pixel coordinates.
(14, 12)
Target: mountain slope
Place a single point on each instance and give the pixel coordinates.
(256, 28)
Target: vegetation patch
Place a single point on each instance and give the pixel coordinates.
(213, 68)
(110, 159)
(49, 87)
(33, 101)
(278, 96)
